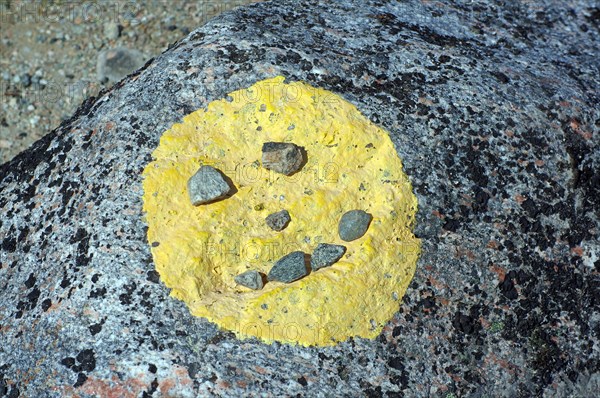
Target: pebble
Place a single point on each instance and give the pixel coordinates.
(26, 80)
(282, 157)
(251, 279)
(111, 30)
(278, 221)
(115, 64)
(207, 185)
(5, 144)
(326, 255)
(354, 224)
(34, 120)
(289, 268)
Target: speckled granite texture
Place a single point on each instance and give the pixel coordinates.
(492, 106)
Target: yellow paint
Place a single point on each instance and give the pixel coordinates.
(201, 249)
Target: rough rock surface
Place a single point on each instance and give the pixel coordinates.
(207, 185)
(354, 224)
(326, 255)
(289, 268)
(492, 107)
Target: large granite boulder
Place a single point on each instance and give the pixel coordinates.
(493, 107)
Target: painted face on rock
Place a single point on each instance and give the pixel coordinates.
(348, 164)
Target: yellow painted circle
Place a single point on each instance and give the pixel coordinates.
(352, 164)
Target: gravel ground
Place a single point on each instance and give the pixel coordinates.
(49, 52)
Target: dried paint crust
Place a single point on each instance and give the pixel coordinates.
(351, 164)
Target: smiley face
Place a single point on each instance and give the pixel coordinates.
(350, 164)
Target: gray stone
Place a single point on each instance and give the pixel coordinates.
(251, 279)
(207, 185)
(354, 224)
(111, 30)
(326, 255)
(26, 80)
(282, 157)
(278, 221)
(289, 268)
(116, 63)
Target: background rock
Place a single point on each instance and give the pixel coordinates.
(116, 63)
(493, 109)
(111, 30)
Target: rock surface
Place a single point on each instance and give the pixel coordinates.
(289, 268)
(207, 185)
(354, 224)
(492, 107)
(278, 221)
(282, 157)
(251, 279)
(326, 255)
